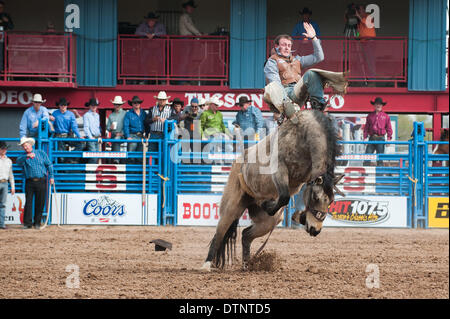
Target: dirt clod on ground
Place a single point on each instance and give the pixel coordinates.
(265, 261)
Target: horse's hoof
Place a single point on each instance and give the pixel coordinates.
(206, 266)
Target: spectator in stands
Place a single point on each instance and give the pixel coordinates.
(35, 164)
(151, 27)
(133, 126)
(186, 24)
(115, 124)
(367, 34)
(378, 124)
(91, 120)
(299, 29)
(157, 115)
(65, 126)
(6, 174)
(192, 113)
(5, 19)
(31, 117)
(249, 119)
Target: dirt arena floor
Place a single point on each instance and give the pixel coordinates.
(119, 262)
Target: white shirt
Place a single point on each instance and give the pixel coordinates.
(6, 170)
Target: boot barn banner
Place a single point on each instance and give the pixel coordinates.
(15, 206)
(104, 209)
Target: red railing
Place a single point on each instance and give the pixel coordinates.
(173, 59)
(39, 57)
(378, 60)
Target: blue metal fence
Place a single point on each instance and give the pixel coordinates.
(175, 169)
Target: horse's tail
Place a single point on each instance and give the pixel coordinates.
(228, 245)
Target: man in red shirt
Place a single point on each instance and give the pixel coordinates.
(378, 124)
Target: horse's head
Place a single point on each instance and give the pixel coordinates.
(318, 195)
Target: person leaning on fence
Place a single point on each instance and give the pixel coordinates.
(91, 121)
(65, 125)
(151, 28)
(6, 174)
(29, 124)
(133, 127)
(249, 120)
(36, 165)
(114, 124)
(378, 124)
(157, 115)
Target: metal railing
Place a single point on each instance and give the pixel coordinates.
(38, 57)
(173, 59)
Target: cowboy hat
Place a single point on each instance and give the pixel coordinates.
(117, 100)
(38, 98)
(151, 15)
(243, 100)
(305, 11)
(135, 99)
(92, 102)
(162, 96)
(28, 140)
(177, 101)
(189, 3)
(62, 101)
(216, 101)
(378, 100)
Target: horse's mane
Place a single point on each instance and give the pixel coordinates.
(326, 122)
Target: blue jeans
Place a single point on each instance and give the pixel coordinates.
(3, 194)
(92, 147)
(313, 84)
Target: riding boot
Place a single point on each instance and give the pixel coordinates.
(316, 104)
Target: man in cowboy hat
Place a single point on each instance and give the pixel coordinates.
(91, 122)
(35, 165)
(65, 125)
(157, 115)
(133, 127)
(29, 125)
(378, 124)
(177, 114)
(114, 123)
(249, 118)
(299, 29)
(6, 174)
(151, 27)
(186, 24)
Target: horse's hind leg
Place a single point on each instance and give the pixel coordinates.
(262, 224)
(230, 212)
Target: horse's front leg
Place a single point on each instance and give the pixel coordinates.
(281, 181)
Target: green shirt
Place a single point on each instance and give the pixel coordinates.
(212, 123)
(116, 117)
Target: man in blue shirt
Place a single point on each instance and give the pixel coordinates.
(35, 164)
(133, 127)
(29, 124)
(91, 121)
(65, 126)
(299, 29)
(249, 119)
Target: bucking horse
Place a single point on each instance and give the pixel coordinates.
(299, 153)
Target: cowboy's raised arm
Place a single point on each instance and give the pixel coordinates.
(317, 56)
